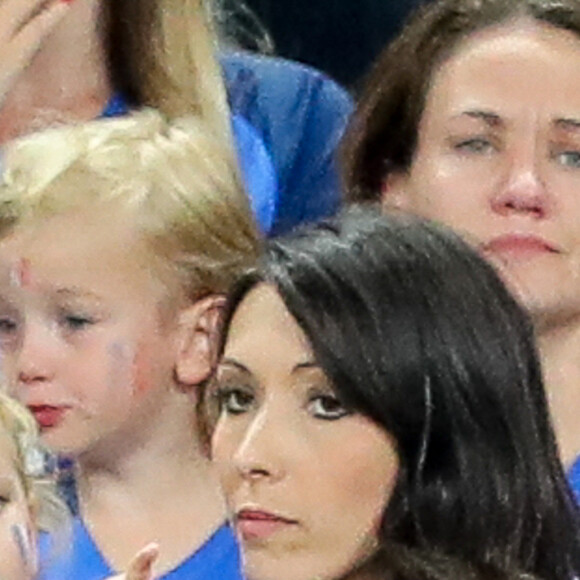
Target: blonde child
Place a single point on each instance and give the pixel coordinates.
(28, 498)
(117, 240)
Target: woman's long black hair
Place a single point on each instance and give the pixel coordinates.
(418, 332)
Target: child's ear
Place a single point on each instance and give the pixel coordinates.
(198, 339)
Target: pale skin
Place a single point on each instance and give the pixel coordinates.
(42, 80)
(499, 155)
(64, 347)
(284, 444)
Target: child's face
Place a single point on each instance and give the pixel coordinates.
(85, 342)
(17, 543)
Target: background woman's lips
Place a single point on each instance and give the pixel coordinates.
(519, 246)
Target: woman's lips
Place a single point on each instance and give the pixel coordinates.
(259, 525)
(47, 416)
(519, 246)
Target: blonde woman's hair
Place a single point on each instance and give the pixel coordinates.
(173, 179)
(163, 55)
(31, 461)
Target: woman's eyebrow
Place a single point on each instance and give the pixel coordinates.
(308, 364)
(228, 361)
(567, 123)
(488, 117)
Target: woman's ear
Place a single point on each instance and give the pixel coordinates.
(198, 340)
(394, 191)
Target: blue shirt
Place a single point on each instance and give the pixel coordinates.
(287, 121)
(574, 478)
(218, 558)
(255, 163)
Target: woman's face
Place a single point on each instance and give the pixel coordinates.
(498, 158)
(306, 481)
(17, 541)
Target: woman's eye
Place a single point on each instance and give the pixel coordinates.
(475, 145)
(327, 407)
(569, 159)
(234, 401)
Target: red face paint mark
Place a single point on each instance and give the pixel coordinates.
(24, 275)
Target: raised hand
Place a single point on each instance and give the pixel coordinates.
(141, 566)
(24, 24)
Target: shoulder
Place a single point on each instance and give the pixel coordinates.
(262, 87)
(73, 555)
(574, 478)
(218, 555)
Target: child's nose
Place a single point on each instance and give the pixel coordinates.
(36, 357)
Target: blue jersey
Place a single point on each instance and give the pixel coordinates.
(287, 121)
(574, 478)
(217, 558)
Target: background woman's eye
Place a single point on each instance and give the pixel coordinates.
(475, 145)
(234, 401)
(327, 407)
(569, 158)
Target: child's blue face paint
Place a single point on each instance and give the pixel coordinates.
(121, 364)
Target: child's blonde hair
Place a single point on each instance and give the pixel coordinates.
(175, 179)
(31, 461)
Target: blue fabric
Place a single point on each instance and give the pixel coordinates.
(300, 114)
(217, 558)
(574, 478)
(255, 163)
(287, 120)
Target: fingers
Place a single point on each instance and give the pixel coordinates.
(14, 14)
(18, 45)
(30, 37)
(141, 567)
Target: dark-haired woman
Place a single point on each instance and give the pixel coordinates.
(378, 412)
(472, 118)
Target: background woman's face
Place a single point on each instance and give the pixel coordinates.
(17, 544)
(306, 480)
(498, 157)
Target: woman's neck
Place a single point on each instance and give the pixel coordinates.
(163, 490)
(66, 81)
(560, 353)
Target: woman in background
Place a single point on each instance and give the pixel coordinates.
(471, 118)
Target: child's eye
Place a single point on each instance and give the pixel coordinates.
(4, 501)
(234, 401)
(76, 321)
(327, 407)
(7, 325)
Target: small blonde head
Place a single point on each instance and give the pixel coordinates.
(173, 180)
(30, 461)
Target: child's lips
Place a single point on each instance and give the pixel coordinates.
(48, 416)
